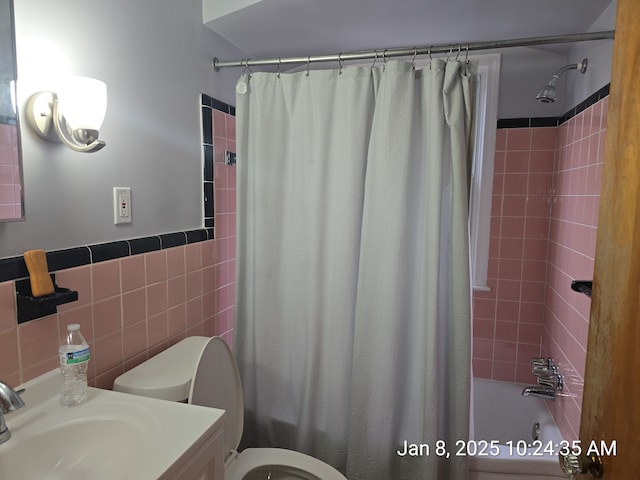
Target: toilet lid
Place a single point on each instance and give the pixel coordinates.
(216, 383)
(167, 375)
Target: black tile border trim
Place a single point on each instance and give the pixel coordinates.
(176, 239)
(591, 100)
(68, 258)
(7, 120)
(195, 236)
(144, 245)
(208, 208)
(218, 105)
(208, 174)
(207, 126)
(109, 251)
(525, 122)
(14, 268)
(514, 122)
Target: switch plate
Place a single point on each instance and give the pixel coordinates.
(121, 205)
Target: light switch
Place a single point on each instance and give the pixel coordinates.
(121, 205)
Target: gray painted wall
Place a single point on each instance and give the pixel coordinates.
(526, 70)
(600, 56)
(155, 59)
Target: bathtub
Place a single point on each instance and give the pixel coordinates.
(503, 416)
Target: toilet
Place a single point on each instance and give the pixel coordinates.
(202, 371)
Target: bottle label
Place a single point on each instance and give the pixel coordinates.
(73, 358)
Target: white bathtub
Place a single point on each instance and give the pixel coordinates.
(506, 418)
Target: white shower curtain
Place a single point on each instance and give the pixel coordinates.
(352, 329)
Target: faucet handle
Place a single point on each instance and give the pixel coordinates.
(543, 366)
(539, 362)
(554, 381)
(547, 381)
(538, 370)
(9, 399)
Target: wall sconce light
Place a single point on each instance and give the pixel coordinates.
(73, 115)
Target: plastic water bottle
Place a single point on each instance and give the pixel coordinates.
(74, 358)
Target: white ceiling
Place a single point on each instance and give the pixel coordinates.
(279, 28)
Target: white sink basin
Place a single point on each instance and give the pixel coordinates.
(68, 450)
(111, 436)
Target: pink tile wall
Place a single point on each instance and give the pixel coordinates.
(10, 195)
(129, 309)
(572, 245)
(544, 216)
(508, 320)
(133, 308)
(224, 138)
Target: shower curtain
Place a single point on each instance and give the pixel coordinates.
(352, 330)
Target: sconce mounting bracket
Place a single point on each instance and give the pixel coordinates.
(44, 118)
(39, 113)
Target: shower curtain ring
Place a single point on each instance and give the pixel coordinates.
(430, 57)
(308, 62)
(279, 62)
(384, 59)
(466, 59)
(340, 63)
(375, 58)
(458, 54)
(247, 68)
(413, 60)
(450, 51)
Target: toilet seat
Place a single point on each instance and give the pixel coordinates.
(303, 466)
(216, 383)
(217, 366)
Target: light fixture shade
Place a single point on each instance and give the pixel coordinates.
(83, 102)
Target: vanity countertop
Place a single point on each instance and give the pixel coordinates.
(112, 435)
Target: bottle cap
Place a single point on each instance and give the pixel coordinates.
(72, 327)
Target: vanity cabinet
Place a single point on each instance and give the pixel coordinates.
(203, 461)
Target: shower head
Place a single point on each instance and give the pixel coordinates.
(548, 94)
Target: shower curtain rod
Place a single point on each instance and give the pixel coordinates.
(414, 51)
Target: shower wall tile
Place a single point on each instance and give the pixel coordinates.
(546, 193)
(573, 227)
(224, 180)
(517, 253)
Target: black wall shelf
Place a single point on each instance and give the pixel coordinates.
(582, 286)
(30, 307)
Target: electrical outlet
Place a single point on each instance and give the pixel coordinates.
(121, 205)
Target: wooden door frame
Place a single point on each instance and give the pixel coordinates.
(612, 383)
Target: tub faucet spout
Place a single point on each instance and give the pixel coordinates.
(548, 393)
(9, 401)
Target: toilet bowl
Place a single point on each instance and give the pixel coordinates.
(216, 383)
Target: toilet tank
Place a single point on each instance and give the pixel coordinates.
(166, 376)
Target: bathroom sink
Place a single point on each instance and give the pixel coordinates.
(75, 450)
(111, 436)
